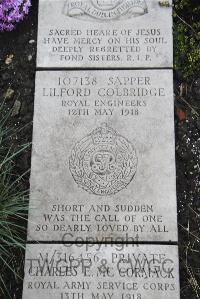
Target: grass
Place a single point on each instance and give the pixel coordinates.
(13, 206)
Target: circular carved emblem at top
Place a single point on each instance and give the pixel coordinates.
(106, 4)
(104, 162)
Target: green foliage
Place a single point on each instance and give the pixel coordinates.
(13, 206)
(187, 38)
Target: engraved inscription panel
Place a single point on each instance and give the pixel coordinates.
(103, 164)
(104, 34)
(97, 271)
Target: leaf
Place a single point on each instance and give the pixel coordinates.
(181, 114)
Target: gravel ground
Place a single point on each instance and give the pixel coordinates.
(17, 72)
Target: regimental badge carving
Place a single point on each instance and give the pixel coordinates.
(105, 10)
(104, 162)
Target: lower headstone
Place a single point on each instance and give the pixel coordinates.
(103, 165)
(97, 271)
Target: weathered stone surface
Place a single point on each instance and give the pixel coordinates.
(91, 33)
(103, 162)
(101, 272)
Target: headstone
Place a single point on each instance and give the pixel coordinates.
(100, 271)
(103, 177)
(98, 33)
(103, 164)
